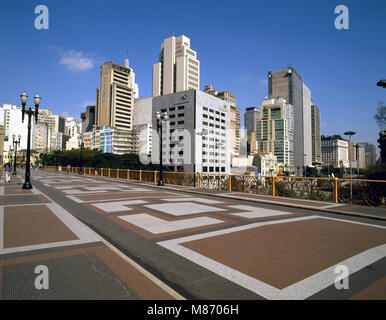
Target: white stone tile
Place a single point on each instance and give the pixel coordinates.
(156, 225)
(183, 208)
(116, 206)
(256, 212)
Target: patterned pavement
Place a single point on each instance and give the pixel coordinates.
(202, 247)
(34, 231)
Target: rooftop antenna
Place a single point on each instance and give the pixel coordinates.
(127, 58)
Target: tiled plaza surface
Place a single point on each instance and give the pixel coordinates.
(34, 232)
(202, 247)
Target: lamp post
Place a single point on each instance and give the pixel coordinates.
(15, 143)
(165, 117)
(23, 97)
(349, 134)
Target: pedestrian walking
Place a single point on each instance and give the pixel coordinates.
(68, 168)
(8, 170)
(60, 169)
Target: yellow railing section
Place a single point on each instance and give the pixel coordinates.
(336, 190)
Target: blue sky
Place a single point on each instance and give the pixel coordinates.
(237, 43)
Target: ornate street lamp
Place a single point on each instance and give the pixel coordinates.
(349, 134)
(165, 117)
(15, 143)
(23, 98)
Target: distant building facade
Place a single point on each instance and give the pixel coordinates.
(177, 68)
(288, 84)
(275, 131)
(235, 114)
(196, 136)
(335, 152)
(316, 139)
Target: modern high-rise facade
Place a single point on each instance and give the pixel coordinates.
(115, 96)
(11, 120)
(111, 140)
(195, 138)
(251, 116)
(142, 124)
(235, 116)
(46, 138)
(370, 154)
(88, 119)
(177, 68)
(288, 84)
(315, 129)
(275, 131)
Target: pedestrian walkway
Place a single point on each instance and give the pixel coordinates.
(338, 208)
(46, 253)
(210, 246)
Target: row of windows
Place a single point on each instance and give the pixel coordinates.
(213, 125)
(173, 108)
(213, 111)
(213, 118)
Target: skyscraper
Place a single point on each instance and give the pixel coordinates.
(115, 97)
(288, 84)
(177, 69)
(315, 128)
(235, 116)
(251, 116)
(275, 131)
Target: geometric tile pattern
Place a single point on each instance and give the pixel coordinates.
(189, 248)
(156, 225)
(279, 253)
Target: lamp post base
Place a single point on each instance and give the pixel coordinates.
(27, 185)
(160, 183)
(14, 173)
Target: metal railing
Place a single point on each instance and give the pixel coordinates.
(334, 190)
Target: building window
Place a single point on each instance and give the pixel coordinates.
(181, 108)
(180, 115)
(172, 108)
(181, 122)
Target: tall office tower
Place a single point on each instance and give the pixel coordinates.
(288, 84)
(142, 124)
(370, 154)
(1, 143)
(46, 134)
(357, 155)
(115, 97)
(88, 119)
(196, 136)
(235, 114)
(251, 116)
(275, 131)
(177, 68)
(315, 129)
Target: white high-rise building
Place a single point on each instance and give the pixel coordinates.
(307, 129)
(11, 119)
(196, 136)
(177, 69)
